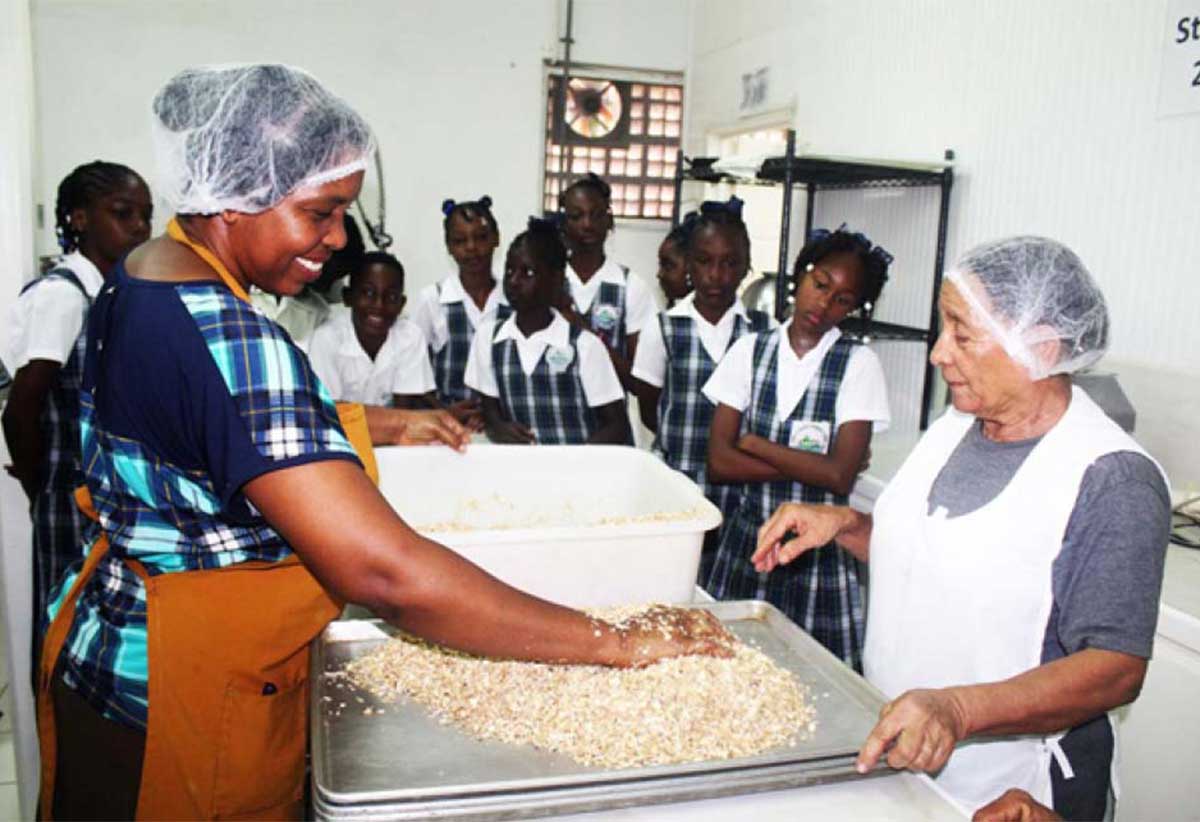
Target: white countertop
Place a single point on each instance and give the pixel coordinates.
(897, 798)
(1179, 614)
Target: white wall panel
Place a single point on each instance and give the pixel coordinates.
(629, 32)
(454, 91)
(1050, 107)
(1051, 110)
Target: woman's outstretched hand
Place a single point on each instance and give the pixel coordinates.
(795, 528)
(429, 427)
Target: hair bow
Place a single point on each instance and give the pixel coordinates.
(860, 239)
(447, 206)
(732, 206)
(551, 222)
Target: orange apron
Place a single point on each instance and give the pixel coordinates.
(227, 651)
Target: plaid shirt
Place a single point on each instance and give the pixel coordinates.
(451, 361)
(173, 518)
(684, 414)
(58, 525)
(549, 402)
(819, 591)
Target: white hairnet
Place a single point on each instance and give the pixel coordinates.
(1037, 290)
(242, 137)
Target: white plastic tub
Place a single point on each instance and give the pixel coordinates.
(579, 525)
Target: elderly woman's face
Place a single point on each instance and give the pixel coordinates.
(282, 249)
(983, 379)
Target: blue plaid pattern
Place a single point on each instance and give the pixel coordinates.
(685, 415)
(819, 591)
(554, 406)
(451, 361)
(171, 518)
(612, 297)
(58, 524)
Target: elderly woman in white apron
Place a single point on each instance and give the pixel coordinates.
(1016, 558)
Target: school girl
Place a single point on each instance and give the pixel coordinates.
(602, 294)
(681, 346)
(370, 354)
(672, 267)
(448, 312)
(541, 378)
(102, 211)
(795, 412)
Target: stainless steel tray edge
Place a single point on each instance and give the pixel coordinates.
(615, 788)
(598, 797)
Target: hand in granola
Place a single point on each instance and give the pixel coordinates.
(663, 632)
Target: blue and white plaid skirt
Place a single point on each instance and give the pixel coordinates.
(819, 591)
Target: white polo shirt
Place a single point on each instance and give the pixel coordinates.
(430, 317)
(862, 396)
(639, 304)
(401, 366)
(600, 383)
(650, 361)
(45, 321)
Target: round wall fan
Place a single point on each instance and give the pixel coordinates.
(593, 108)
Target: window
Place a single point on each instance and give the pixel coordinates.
(626, 131)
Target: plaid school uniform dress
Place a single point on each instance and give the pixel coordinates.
(171, 518)
(819, 591)
(606, 316)
(59, 527)
(685, 415)
(450, 362)
(550, 401)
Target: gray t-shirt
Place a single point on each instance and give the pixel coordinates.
(1106, 580)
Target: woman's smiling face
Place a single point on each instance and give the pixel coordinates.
(282, 249)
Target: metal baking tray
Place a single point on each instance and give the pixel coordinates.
(403, 764)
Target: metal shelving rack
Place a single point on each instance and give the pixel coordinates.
(818, 174)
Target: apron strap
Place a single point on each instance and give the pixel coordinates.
(1060, 756)
(52, 645)
(353, 417)
(175, 232)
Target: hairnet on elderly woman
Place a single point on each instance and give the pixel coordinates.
(1032, 290)
(243, 137)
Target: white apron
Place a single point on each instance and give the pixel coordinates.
(966, 600)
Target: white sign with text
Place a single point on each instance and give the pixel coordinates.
(1179, 85)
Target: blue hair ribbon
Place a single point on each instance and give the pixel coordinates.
(551, 222)
(732, 206)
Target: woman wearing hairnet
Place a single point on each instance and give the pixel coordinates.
(234, 515)
(1016, 557)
